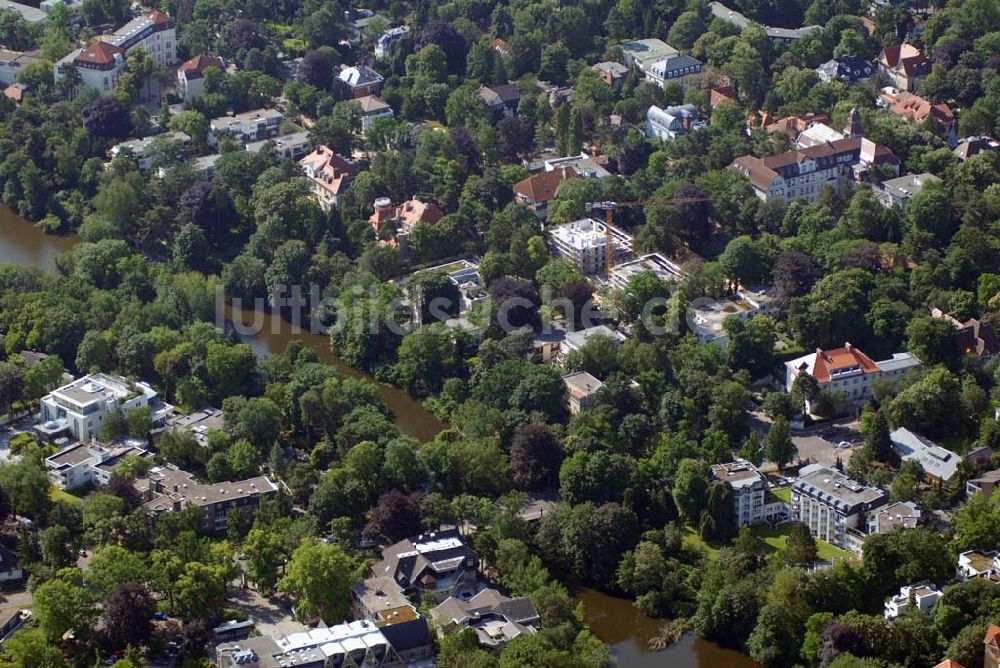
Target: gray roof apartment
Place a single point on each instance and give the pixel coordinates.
(427, 558)
(835, 489)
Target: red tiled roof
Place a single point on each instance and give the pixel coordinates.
(720, 94)
(542, 187)
(99, 53)
(915, 108)
(829, 362)
(948, 663)
(194, 68)
(908, 57)
(993, 636)
(159, 18)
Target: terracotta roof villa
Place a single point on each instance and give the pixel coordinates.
(536, 191)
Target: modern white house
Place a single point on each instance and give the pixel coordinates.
(654, 263)
(584, 243)
(389, 37)
(754, 503)
(373, 108)
(80, 464)
(898, 192)
(246, 127)
(831, 504)
(80, 407)
(139, 148)
(921, 596)
(292, 146)
(706, 320)
(978, 564)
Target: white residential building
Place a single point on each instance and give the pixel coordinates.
(706, 319)
(389, 37)
(897, 192)
(102, 62)
(582, 165)
(585, 242)
(921, 596)
(978, 564)
(139, 148)
(12, 63)
(643, 53)
(724, 13)
(754, 503)
(291, 146)
(80, 464)
(191, 75)
(848, 370)
(246, 127)
(373, 108)
(899, 515)
(81, 406)
(672, 68)
(831, 504)
(673, 122)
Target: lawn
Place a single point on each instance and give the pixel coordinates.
(693, 541)
(57, 494)
(785, 494)
(775, 538)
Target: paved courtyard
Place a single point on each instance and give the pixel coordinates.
(270, 617)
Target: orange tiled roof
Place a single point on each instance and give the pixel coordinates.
(915, 108)
(831, 361)
(194, 67)
(993, 636)
(99, 53)
(542, 187)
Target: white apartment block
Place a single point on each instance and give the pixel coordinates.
(754, 504)
(250, 126)
(80, 465)
(138, 148)
(584, 243)
(102, 62)
(81, 406)
(978, 564)
(831, 504)
(707, 319)
(921, 596)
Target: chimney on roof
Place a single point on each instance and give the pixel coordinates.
(819, 351)
(848, 346)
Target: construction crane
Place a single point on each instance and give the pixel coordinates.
(609, 208)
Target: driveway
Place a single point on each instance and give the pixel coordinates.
(270, 617)
(820, 447)
(15, 598)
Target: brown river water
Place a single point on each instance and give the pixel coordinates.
(615, 621)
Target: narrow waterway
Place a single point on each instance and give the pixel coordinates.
(628, 631)
(271, 334)
(614, 620)
(22, 243)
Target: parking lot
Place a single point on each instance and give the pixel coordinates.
(820, 447)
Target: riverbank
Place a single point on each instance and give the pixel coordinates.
(22, 243)
(627, 630)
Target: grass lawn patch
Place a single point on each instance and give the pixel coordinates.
(57, 494)
(785, 494)
(774, 539)
(693, 541)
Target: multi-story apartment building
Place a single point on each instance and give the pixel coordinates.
(292, 146)
(921, 596)
(430, 567)
(584, 243)
(831, 504)
(754, 504)
(654, 263)
(81, 464)
(102, 62)
(167, 489)
(247, 127)
(707, 320)
(848, 370)
(360, 81)
(389, 37)
(80, 407)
